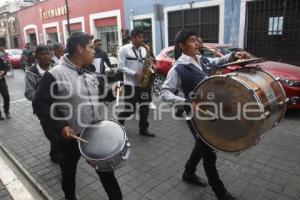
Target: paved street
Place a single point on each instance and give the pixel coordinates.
(269, 170)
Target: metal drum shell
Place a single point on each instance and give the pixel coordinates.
(258, 85)
(110, 162)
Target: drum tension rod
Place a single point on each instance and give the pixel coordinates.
(231, 75)
(280, 103)
(266, 114)
(254, 90)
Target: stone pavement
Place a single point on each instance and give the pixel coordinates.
(4, 194)
(269, 170)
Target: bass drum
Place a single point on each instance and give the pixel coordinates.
(234, 111)
(107, 147)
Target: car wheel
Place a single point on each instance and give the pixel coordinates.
(158, 82)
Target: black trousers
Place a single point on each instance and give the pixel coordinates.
(68, 165)
(5, 94)
(55, 150)
(202, 150)
(138, 96)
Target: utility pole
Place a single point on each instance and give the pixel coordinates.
(68, 17)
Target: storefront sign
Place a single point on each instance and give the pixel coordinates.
(53, 12)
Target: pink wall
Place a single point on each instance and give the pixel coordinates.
(77, 8)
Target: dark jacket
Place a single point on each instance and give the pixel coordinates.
(3, 67)
(32, 78)
(68, 96)
(99, 53)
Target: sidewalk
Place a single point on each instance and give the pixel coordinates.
(269, 170)
(4, 194)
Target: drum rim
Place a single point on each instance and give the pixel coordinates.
(279, 83)
(243, 83)
(111, 156)
(282, 89)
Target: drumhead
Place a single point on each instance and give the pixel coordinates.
(219, 119)
(105, 139)
(235, 110)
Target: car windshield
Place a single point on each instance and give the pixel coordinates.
(14, 52)
(224, 50)
(227, 50)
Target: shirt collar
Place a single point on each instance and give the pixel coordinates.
(41, 71)
(70, 64)
(56, 57)
(190, 60)
(131, 45)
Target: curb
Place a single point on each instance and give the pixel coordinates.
(30, 179)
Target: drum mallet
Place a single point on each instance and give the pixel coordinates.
(78, 138)
(118, 93)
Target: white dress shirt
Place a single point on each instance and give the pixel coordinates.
(129, 64)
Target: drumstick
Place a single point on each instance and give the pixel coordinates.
(118, 93)
(78, 138)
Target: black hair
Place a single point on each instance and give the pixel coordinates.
(125, 39)
(77, 38)
(56, 45)
(97, 40)
(40, 48)
(147, 40)
(136, 32)
(182, 35)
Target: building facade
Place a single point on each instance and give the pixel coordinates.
(266, 28)
(47, 21)
(9, 30)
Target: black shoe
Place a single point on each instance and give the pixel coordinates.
(7, 115)
(194, 179)
(227, 196)
(1, 118)
(74, 198)
(147, 133)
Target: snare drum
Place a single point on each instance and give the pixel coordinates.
(107, 147)
(234, 111)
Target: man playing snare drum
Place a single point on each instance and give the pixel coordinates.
(189, 70)
(67, 100)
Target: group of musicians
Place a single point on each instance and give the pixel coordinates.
(69, 84)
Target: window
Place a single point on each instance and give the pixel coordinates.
(204, 21)
(171, 54)
(146, 26)
(275, 25)
(109, 38)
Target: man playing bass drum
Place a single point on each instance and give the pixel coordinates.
(189, 70)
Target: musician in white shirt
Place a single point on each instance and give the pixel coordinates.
(131, 60)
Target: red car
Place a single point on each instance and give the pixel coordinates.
(289, 74)
(14, 57)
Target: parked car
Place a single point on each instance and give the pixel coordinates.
(14, 57)
(289, 75)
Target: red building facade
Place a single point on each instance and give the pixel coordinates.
(47, 21)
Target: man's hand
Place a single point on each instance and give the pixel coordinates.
(149, 62)
(241, 55)
(138, 76)
(66, 132)
(115, 89)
